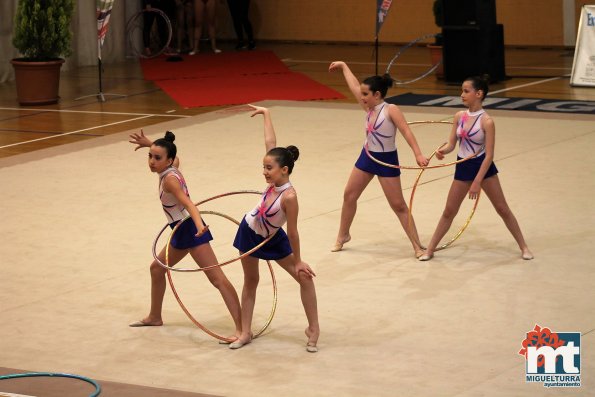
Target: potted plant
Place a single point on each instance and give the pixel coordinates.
(42, 35)
(436, 48)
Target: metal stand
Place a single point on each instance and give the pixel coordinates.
(100, 95)
(376, 51)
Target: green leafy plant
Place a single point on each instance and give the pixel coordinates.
(42, 29)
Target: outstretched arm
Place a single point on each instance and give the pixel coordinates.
(352, 81)
(270, 139)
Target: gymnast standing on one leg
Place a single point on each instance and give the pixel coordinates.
(278, 205)
(382, 122)
(177, 205)
(476, 133)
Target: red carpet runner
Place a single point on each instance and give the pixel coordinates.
(232, 78)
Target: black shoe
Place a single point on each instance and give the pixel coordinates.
(251, 45)
(240, 45)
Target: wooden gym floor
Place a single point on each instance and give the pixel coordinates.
(535, 73)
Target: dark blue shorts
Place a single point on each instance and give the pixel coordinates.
(277, 248)
(467, 170)
(366, 164)
(185, 238)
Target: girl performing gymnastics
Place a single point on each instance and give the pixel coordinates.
(278, 205)
(382, 122)
(476, 133)
(176, 202)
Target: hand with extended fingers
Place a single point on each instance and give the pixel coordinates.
(140, 139)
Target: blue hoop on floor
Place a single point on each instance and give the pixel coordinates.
(57, 374)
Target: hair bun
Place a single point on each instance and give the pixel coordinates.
(294, 151)
(169, 136)
(387, 80)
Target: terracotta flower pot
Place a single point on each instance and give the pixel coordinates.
(37, 82)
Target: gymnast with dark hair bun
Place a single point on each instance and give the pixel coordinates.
(192, 237)
(476, 133)
(383, 120)
(278, 205)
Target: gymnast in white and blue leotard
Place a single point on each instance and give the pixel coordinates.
(475, 131)
(383, 120)
(277, 206)
(192, 237)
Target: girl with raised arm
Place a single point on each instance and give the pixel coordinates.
(278, 205)
(382, 122)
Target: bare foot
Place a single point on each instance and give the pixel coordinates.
(339, 244)
(312, 340)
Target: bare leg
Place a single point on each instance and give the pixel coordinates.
(308, 295)
(158, 285)
(394, 194)
(204, 256)
(251, 279)
(491, 186)
(211, 9)
(456, 194)
(199, 10)
(358, 180)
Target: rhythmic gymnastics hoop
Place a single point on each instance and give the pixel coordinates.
(171, 283)
(135, 25)
(405, 48)
(407, 167)
(191, 317)
(56, 374)
(410, 223)
(198, 269)
(202, 269)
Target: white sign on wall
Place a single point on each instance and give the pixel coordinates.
(583, 66)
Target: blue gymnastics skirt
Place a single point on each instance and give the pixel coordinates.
(185, 236)
(366, 164)
(467, 170)
(277, 248)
